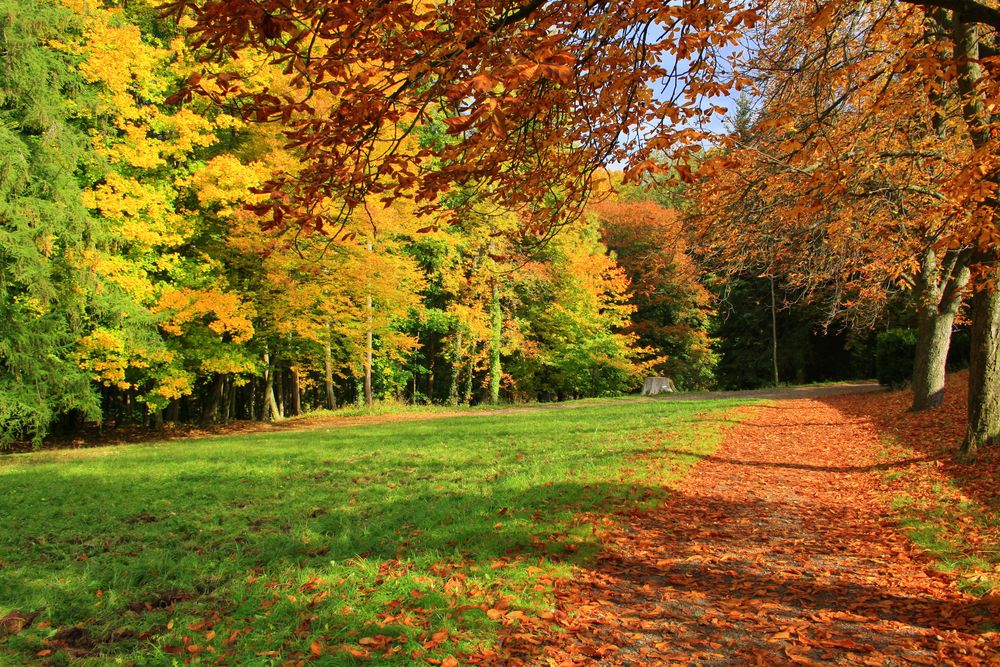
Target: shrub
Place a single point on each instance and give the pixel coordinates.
(894, 352)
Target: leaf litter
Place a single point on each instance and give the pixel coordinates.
(779, 549)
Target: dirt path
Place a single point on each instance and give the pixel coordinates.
(776, 550)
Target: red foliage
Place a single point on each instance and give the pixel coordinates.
(533, 96)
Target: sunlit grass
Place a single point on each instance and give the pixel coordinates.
(374, 539)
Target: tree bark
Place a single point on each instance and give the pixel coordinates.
(456, 366)
(939, 296)
(430, 368)
(368, 356)
(470, 373)
(271, 411)
(231, 399)
(252, 400)
(774, 334)
(211, 408)
(984, 364)
(296, 392)
(331, 400)
(174, 411)
(279, 389)
(495, 334)
(984, 370)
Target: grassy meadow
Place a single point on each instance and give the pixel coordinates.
(383, 543)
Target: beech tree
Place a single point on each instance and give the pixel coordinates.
(540, 93)
(672, 307)
(865, 171)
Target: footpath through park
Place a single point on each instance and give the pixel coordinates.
(778, 549)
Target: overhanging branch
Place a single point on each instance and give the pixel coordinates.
(969, 10)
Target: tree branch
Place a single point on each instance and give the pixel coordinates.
(968, 10)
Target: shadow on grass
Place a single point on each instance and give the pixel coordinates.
(125, 540)
(154, 565)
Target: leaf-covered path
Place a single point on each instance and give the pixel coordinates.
(778, 549)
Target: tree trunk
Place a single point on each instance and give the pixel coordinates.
(232, 390)
(984, 370)
(470, 373)
(296, 392)
(331, 400)
(984, 364)
(774, 333)
(252, 402)
(497, 330)
(456, 366)
(369, 312)
(430, 368)
(270, 411)
(368, 355)
(174, 411)
(933, 341)
(227, 395)
(939, 296)
(211, 409)
(279, 389)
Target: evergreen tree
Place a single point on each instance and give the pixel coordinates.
(45, 232)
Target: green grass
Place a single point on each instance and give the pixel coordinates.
(936, 516)
(400, 538)
(931, 523)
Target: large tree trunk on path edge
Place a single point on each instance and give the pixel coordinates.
(984, 374)
(933, 342)
(984, 370)
(939, 296)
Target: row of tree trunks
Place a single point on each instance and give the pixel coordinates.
(937, 309)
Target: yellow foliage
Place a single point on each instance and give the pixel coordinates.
(225, 181)
(175, 384)
(226, 313)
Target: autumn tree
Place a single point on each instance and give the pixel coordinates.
(673, 308)
(861, 174)
(153, 154)
(540, 93)
(575, 311)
